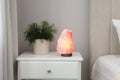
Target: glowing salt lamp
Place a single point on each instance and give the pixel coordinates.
(65, 43)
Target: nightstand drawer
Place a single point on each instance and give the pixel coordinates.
(48, 69)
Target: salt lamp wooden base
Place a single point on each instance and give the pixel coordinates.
(66, 55)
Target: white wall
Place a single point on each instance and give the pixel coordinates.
(1, 56)
(72, 14)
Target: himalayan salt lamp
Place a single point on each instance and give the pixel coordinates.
(65, 43)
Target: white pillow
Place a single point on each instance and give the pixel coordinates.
(116, 23)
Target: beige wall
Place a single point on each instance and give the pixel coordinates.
(100, 23)
(72, 14)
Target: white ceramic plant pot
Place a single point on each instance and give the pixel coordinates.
(41, 47)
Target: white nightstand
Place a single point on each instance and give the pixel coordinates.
(51, 66)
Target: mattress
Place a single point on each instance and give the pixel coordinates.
(106, 68)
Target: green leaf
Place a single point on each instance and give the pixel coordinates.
(44, 30)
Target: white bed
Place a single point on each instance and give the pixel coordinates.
(106, 68)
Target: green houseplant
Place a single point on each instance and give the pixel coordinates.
(40, 34)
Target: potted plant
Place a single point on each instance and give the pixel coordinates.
(40, 34)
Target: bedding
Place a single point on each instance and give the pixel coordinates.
(116, 23)
(106, 68)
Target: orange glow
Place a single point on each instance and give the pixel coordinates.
(65, 42)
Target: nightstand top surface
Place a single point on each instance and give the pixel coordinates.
(52, 56)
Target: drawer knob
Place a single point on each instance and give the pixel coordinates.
(49, 71)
